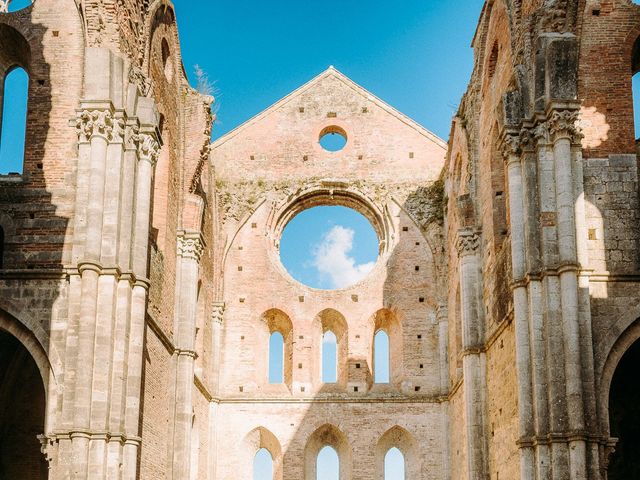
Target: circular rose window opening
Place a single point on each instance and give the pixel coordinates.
(329, 247)
(333, 138)
(10, 6)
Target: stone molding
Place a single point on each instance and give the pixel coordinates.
(467, 242)
(190, 246)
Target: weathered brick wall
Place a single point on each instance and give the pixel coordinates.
(262, 169)
(608, 30)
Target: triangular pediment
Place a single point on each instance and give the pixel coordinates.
(331, 73)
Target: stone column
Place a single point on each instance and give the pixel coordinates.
(520, 306)
(96, 126)
(190, 246)
(148, 147)
(473, 361)
(217, 324)
(562, 128)
(546, 303)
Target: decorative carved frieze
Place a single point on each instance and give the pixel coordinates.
(190, 246)
(95, 123)
(467, 242)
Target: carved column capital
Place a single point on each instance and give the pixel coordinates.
(148, 147)
(217, 312)
(94, 123)
(467, 242)
(190, 246)
(541, 134)
(132, 136)
(564, 124)
(511, 145)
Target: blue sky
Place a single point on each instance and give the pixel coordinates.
(413, 54)
(329, 247)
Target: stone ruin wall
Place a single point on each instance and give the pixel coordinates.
(266, 172)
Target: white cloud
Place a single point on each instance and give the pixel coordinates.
(332, 260)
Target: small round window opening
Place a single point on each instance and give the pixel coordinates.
(333, 138)
(10, 6)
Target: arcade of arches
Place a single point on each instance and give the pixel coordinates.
(156, 333)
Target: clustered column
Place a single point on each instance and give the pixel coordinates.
(551, 317)
(98, 433)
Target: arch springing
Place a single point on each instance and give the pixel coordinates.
(13, 121)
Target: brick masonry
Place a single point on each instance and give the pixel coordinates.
(142, 346)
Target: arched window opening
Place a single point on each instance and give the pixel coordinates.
(274, 362)
(1, 247)
(329, 357)
(263, 465)
(394, 465)
(381, 357)
(624, 415)
(13, 125)
(276, 358)
(328, 466)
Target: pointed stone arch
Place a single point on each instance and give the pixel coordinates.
(327, 436)
(255, 440)
(398, 437)
(325, 321)
(388, 321)
(272, 321)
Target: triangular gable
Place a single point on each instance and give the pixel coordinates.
(332, 72)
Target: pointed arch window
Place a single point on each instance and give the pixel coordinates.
(394, 468)
(329, 357)
(381, 357)
(13, 121)
(263, 465)
(328, 464)
(276, 358)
